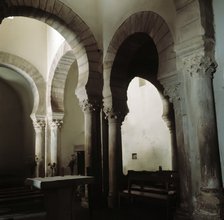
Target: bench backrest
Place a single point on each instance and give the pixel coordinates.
(165, 179)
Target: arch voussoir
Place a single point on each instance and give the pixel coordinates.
(42, 4)
(57, 8)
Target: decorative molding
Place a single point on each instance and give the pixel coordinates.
(199, 65)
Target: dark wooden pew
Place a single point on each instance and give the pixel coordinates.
(152, 186)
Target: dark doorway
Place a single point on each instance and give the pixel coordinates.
(80, 162)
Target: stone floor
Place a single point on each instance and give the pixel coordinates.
(129, 213)
(31, 211)
(133, 212)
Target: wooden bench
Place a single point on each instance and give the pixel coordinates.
(155, 186)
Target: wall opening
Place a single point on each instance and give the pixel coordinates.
(144, 132)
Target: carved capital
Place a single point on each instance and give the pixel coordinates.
(199, 65)
(90, 106)
(39, 124)
(112, 114)
(56, 123)
(173, 92)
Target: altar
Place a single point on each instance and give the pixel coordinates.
(58, 194)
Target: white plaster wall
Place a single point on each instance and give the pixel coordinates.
(54, 41)
(72, 132)
(26, 38)
(89, 11)
(143, 131)
(218, 6)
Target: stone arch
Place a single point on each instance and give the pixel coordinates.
(72, 28)
(54, 72)
(32, 75)
(156, 28)
(149, 27)
(59, 80)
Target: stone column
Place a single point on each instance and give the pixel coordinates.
(92, 148)
(39, 126)
(199, 70)
(55, 126)
(174, 90)
(115, 155)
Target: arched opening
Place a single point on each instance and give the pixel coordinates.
(146, 141)
(83, 45)
(39, 44)
(138, 57)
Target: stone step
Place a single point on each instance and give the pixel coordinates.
(20, 200)
(25, 216)
(9, 194)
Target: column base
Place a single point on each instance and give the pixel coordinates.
(209, 205)
(183, 213)
(112, 201)
(85, 202)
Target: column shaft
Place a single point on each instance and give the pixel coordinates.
(201, 115)
(92, 149)
(55, 126)
(39, 126)
(113, 161)
(115, 156)
(174, 90)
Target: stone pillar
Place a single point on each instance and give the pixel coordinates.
(115, 155)
(199, 70)
(92, 148)
(39, 127)
(174, 90)
(55, 126)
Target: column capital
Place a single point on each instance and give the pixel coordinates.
(111, 114)
(199, 65)
(173, 91)
(39, 123)
(172, 87)
(90, 106)
(55, 119)
(56, 123)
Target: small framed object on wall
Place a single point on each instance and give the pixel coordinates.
(134, 156)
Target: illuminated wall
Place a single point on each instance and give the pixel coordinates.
(143, 131)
